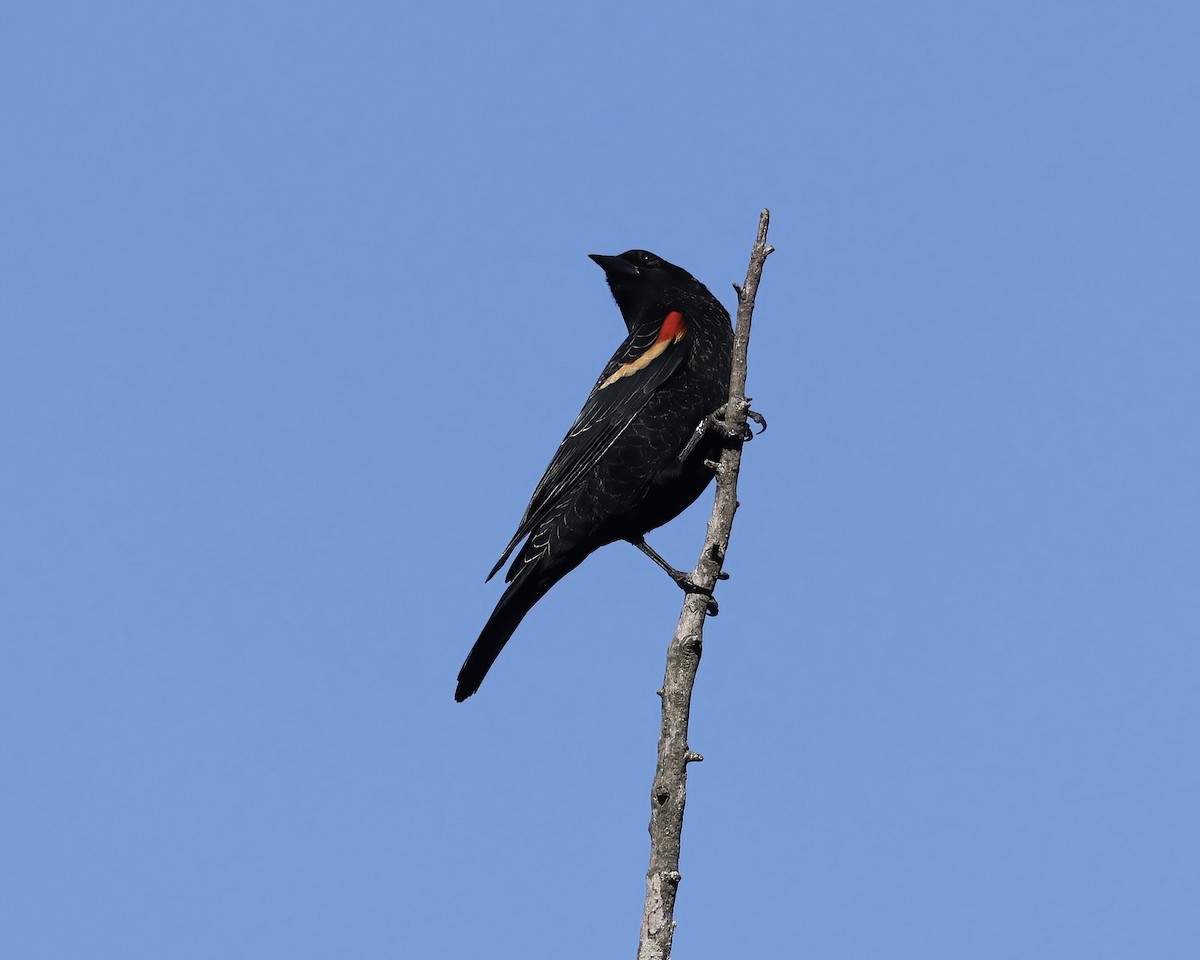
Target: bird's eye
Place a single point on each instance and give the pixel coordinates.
(647, 259)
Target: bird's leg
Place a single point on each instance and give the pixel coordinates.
(682, 580)
(697, 435)
(678, 576)
(715, 422)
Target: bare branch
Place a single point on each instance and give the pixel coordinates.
(668, 793)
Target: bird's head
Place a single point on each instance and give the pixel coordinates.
(646, 286)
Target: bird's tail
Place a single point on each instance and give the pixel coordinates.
(527, 588)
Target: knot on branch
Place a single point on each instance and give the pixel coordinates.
(692, 643)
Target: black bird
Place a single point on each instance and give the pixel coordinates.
(624, 467)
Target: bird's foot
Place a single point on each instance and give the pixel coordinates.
(682, 580)
(757, 418)
(688, 585)
(751, 416)
(715, 423)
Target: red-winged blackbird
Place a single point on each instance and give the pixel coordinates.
(620, 470)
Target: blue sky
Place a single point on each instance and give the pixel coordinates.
(297, 306)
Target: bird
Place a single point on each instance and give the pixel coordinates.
(636, 456)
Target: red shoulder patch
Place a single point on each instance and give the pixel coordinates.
(673, 327)
(673, 330)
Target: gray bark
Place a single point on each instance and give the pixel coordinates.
(669, 790)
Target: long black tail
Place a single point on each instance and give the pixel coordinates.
(527, 589)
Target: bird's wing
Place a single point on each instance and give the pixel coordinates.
(639, 367)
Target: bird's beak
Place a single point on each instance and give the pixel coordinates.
(614, 266)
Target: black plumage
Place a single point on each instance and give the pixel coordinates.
(618, 473)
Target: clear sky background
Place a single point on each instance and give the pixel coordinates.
(296, 307)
